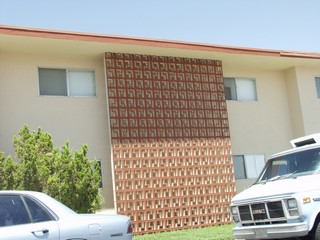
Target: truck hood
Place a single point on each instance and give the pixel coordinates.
(278, 188)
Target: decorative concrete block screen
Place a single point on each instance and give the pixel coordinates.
(170, 141)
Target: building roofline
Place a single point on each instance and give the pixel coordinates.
(104, 38)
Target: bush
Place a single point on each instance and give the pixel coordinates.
(8, 173)
(68, 176)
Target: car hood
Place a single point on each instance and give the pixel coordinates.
(278, 188)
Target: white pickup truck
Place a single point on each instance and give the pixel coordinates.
(284, 202)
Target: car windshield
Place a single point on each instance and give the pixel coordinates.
(292, 165)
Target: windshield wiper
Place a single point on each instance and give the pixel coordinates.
(274, 178)
(268, 180)
(289, 175)
(285, 176)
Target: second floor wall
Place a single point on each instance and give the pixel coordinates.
(304, 99)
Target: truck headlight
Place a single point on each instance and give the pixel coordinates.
(293, 207)
(234, 210)
(292, 203)
(235, 214)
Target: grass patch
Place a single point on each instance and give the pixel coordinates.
(223, 232)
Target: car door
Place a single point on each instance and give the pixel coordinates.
(23, 219)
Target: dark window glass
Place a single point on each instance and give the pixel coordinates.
(239, 167)
(53, 82)
(38, 213)
(12, 211)
(318, 86)
(230, 89)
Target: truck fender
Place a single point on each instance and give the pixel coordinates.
(314, 218)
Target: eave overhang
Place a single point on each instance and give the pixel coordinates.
(21, 38)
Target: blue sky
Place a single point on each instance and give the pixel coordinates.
(270, 24)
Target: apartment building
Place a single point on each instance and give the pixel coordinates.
(179, 127)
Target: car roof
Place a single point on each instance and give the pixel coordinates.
(54, 205)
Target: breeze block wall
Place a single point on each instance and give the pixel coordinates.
(172, 159)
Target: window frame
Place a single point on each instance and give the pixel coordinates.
(249, 173)
(317, 83)
(67, 79)
(235, 86)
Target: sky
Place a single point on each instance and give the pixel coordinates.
(292, 25)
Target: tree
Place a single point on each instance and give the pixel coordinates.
(8, 173)
(33, 150)
(75, 179)
(69, 177)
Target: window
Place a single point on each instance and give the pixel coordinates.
(240, 89)
(318, 86)
(38, 213)
(239, 167)
(12, 211)
(295, 164)
(66, 82)
(254, 165)
(248, 166)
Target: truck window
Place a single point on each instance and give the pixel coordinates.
(293, 164)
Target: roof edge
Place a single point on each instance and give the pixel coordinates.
(105, 38)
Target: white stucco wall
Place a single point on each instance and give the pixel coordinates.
(287, 107)
(79, 120)
(310, 103)
(263, 126)
(294, 102)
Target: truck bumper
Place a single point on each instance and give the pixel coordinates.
(271, 231)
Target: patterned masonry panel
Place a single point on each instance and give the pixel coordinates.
(170, 140)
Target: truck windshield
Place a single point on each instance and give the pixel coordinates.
(292, 165)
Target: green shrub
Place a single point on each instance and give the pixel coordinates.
(68, 176)
(8, 173)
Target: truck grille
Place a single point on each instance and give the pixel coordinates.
(269, 212)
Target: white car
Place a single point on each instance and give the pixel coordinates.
(27, 215)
